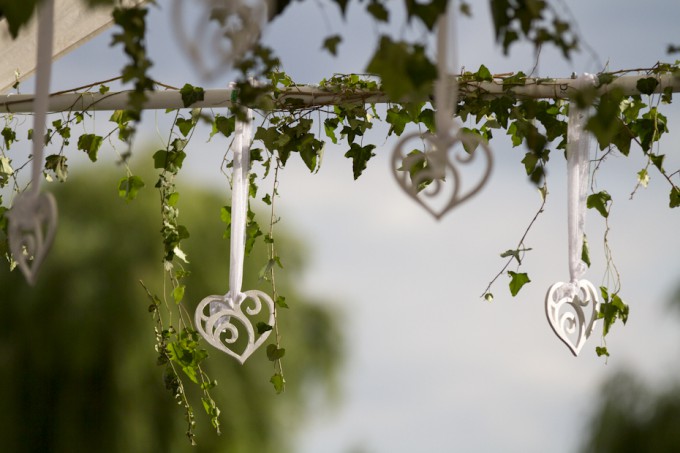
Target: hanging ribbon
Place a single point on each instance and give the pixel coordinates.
(226, 318)
(572, 307)
(424, 176)
(33, 217)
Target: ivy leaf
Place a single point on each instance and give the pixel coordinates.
(178, 293)
(275, 353)
(517, 280)
(674, 197)
(404, 68)
(224, 125)
(9, 136)
(428, 12)
(601, 351)
(360, 156)
(599, 201)
(512, 253)
(331, 44)
(647, 85)
(129, 187)
(342, 4)
(483, 74)
(263, 327)
(184, 125)
(397, 118)
(278, 382)
(585, 252)
(378, 11)
(58, 165)
(611, 309)
(643, 177)
(90, 143)
(281, 302)
(191, 94)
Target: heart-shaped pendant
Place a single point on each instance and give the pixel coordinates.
(572, 310)
(32, 225)
(422, 175)
(221, 319)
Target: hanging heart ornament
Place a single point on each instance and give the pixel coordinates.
(423, 175)
(222, 319)
(32, 225)
(572, 310)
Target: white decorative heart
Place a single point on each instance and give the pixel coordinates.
(438, 165)
(32, 226)
(572, 310)
(220, 316)
(221, 32)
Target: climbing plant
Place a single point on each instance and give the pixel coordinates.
(289, 125)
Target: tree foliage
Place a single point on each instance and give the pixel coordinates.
(78, 356)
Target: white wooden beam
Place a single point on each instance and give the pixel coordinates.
(307, 96)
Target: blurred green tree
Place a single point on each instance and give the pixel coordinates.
(633, 417)
(77, 359)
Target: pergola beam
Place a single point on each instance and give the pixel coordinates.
(309, 96)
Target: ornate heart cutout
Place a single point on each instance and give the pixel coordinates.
(572, 310)
(422, 175)
(32, 226)
(220, 32)
(218, 325)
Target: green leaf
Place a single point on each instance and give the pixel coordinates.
(224, 125)
(331, 44)
(278, 382)
(397, 118)
(169, 160)
(275, 353)
(281, 302)
(513, 253)
(58, 165)
(599, 201)
(90, 143)
(191, 94)
(178, 293)
(267, 200)
(483, 74)
(342, 4)
(601, 351)
(360, 156)
(488, 297)
(643, 177)
(585, 253)
(517, 280)
(9, 136)
(378, 11)
(674, 197)
(263, 327)
(647, 85)
(184, 125)
(428, 12)
(404, 69)
(129, 187)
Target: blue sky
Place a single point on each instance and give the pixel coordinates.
(430, 365)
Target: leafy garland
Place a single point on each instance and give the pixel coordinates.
(404, 74)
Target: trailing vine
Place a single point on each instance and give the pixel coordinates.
(400, 74)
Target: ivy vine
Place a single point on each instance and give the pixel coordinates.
(290, 128)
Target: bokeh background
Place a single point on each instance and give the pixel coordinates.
(410, 355)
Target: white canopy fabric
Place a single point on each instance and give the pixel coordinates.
(75, 24)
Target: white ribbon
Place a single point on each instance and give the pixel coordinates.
(239, 210)
(578, 170)
(33, 217)
(446, 86)
(42, 87)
